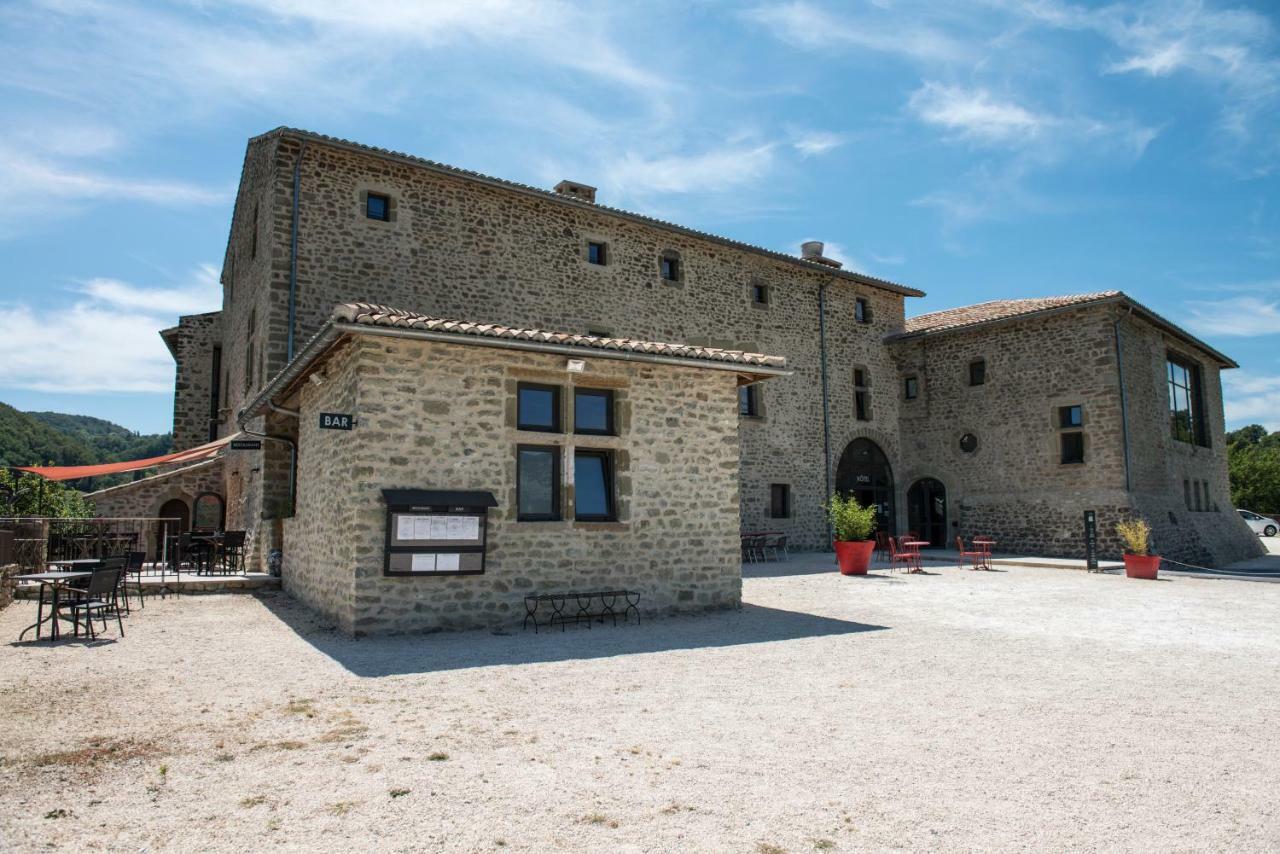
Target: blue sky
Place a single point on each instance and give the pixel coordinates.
(975, 150)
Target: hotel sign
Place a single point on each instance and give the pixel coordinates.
(336, 421)
(1091, 540)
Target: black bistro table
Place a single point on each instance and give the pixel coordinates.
(54, 582)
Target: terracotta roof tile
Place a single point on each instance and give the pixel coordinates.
(985, 312)
(369, 314)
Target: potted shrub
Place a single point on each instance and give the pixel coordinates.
(1138, 563)
(852, 524)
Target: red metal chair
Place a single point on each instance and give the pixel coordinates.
(899, 556)
(882, 546)
(975, 557)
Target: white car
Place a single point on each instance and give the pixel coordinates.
(1261, 525)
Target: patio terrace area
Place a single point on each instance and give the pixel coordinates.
(1022, 708)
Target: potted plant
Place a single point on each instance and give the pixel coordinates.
(852, 524)
(1138, 563)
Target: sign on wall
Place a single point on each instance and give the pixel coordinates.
(336, 420)
(246, 444)
(1091, 540)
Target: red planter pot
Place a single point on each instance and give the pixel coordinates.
(854, 557)
(1141, 566)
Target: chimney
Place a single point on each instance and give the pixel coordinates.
(811, 250)
(582, 192)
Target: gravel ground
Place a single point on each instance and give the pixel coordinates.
(1028, 709)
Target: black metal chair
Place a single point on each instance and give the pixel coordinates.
(99, 598)
(133, 573)
(777, 545)
(233, 551)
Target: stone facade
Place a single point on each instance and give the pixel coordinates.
(1013, 485)
(196, 345)
(435, 415)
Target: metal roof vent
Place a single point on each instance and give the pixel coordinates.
(811, 250)
(584, 192)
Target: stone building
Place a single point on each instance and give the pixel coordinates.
(320, 222)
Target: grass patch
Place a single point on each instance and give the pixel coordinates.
(823, 844)
(769, 848)
(599, 818)
(438, 756)
(399, 793)
(98, 751)
(343, 807)
(301, 707)
(253, 801)
(290, 745)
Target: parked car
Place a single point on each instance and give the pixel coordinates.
(1263, 526)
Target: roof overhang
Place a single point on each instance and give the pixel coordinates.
(334, 333)
(1123, 300)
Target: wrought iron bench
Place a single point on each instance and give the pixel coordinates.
(581, 606)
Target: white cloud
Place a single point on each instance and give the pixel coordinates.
(105, 342)
(813, 143)
(808, 26)
(706, 172)
(976, 114)
(1238, 316)
(1251, 399)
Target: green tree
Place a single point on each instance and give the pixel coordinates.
(23, 494)
(1253, 464)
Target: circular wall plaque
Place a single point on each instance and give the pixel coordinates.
(968, 443)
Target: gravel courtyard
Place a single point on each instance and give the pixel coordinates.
(1027, 709)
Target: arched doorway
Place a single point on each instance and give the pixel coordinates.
(864, 471)
(174, 508)
(927, 510)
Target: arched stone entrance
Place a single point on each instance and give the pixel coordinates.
(864, 472)
(927, 510)
(174, 508)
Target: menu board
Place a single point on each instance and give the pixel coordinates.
(433, 533)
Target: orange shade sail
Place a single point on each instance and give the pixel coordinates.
(203, 452)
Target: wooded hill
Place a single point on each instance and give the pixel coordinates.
(56, 438)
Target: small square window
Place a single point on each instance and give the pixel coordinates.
(861, 310)
(1072, 448)
(748, 401)
(670, 267)
(537, 483)
(1070, 416)
(779, 501)
(593, 486)
(760, 294)
(378, 206)
(538, 408)
(911, 388)
(597, 253)
(593, 411)
(978, 372)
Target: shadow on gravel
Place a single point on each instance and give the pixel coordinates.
(425, 653)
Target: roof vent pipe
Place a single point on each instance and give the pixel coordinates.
(811, 250)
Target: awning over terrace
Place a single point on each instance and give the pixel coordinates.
(191, 455)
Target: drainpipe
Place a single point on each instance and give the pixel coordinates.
(293, 253)
(826, 410)
(293, 450)
(1124, 402)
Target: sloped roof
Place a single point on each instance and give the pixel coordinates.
(560, 198)
(368, 314)
(1013, 310)
(1000, 309)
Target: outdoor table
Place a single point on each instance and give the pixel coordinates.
(984, 545)
(914, 547)
(55, 581)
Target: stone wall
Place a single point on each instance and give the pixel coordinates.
(196, 344)
(462, 249)
(144, 498)
(442, 416)
(7, 572)
(1014, 486)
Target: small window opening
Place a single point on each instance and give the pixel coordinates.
(597, 253)
(779, 501)
(378, 207)
(978, 372)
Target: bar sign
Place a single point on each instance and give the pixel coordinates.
(336, 421)
(246, 444)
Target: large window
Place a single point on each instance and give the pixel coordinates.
(538, 408)
(861, 395)
(1186, 402)
(538, 483)
(1072, 446)
(593, 411)
(593, 486)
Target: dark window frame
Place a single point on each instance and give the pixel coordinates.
(977, 372)
(386, 207)
(611, 514)
(760, 293)
(861, 394)
(669, 268)
(1071, 417)
(750, 394)
(600, 250)
(556, 410)
(861, 310)
(911, 388)
(1195, 431)
(610, 425)
(1076, 456)
(783, 490)
(557, 513)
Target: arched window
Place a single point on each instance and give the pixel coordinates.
(210, 512)
(861, 394)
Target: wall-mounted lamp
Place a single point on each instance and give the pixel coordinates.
(575, 366)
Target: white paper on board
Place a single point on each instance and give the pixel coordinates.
(446, 562)
(424, 563)
(464, 528)
(422, 527)
(405, 527)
